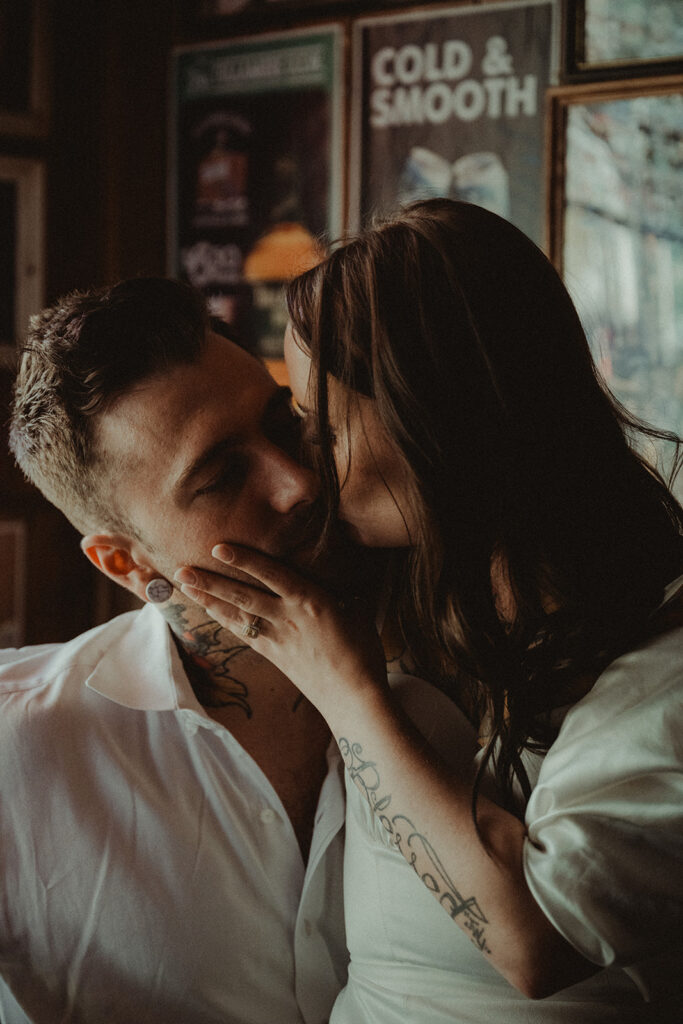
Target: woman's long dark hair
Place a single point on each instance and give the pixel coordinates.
(520, 460)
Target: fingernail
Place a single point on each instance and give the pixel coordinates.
(185, 576)
(223, 552)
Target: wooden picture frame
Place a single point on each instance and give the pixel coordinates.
(609, 38)
(24, 67)
(22, 249)
(616, 233)
(227, 10)
(13, 595)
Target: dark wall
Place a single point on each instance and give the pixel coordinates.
(105, 156)
(107, 147)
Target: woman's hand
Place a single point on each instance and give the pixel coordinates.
(335, 657)
(331, 653)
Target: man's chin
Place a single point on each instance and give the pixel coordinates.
(337, 566)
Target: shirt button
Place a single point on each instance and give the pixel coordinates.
(267, 815)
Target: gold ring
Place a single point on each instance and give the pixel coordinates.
(253, 629)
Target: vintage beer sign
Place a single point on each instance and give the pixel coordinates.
(451, 103)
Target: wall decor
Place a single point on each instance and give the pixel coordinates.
(22, 245)
(257, 171)
(13, 591)
(24, 91)
(225, 9)
(450, 101)
(617, 234)
(623, 37)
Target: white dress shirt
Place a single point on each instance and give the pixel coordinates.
(604, 859)
(149, 870)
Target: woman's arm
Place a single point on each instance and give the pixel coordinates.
(427, 811)
(337, 662)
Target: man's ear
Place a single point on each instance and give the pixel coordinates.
(112, 554)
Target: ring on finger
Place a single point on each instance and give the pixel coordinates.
(253, 628)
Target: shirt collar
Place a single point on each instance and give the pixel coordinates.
(141, 668)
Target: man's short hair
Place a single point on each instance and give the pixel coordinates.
(81, 354)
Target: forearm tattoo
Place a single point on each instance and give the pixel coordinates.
(209, 661)
(415, 847)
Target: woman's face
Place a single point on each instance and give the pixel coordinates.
(371, 476)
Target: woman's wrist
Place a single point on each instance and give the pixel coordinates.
(363, 710)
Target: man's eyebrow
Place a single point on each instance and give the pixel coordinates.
(220, 448)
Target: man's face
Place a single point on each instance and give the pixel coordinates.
(209, 453)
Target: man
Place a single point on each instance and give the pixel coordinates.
(170, 807)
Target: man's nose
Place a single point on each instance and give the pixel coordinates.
(286, 481)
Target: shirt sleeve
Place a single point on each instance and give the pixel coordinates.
(604, 853)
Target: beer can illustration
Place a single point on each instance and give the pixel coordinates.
(481, 178)
(287, 249)
(424, 174)
(222, 172)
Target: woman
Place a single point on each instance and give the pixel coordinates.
(455, 413)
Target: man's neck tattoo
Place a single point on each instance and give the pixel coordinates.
(208, 659)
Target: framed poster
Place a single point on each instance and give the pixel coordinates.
(257, 171)
(617, 234)
(450, 102)
(13, 591)
(227, 8)
(623, 36)
(23, 67)
(22, 234)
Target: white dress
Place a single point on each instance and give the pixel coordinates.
(603, 858)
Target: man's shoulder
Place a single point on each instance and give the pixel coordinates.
(27, 668)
